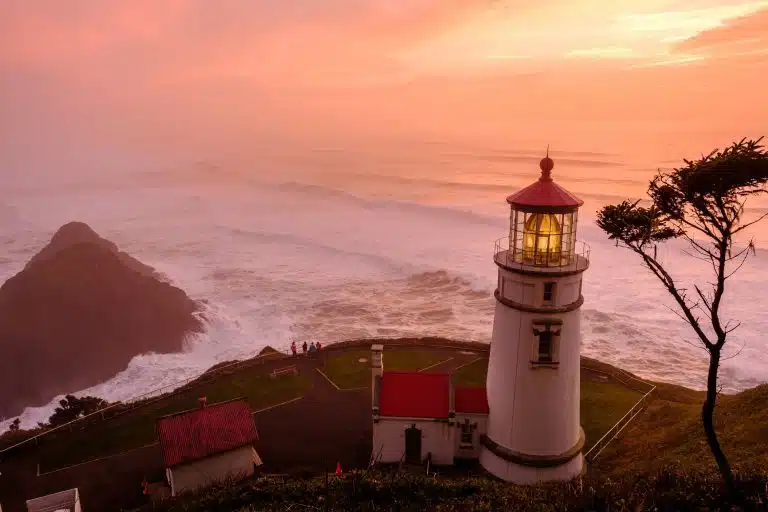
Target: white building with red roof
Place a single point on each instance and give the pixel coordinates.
(207, 445)
(524, 426)
(417, 416)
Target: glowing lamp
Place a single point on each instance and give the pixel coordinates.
(542, 235)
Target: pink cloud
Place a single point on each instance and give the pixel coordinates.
(740, 35)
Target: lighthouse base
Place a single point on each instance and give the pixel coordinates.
(527, 469)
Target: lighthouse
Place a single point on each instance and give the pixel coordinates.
(534, 432)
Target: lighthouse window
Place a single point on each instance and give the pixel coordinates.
(546, 333)
(545, 347)
(549, 293)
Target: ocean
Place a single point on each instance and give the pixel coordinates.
(331, 244)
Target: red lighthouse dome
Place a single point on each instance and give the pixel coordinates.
(544, 194)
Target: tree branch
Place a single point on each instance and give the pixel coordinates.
(741, 264)
(735, 354)
(731, 329)
(745, 226)
(703, 298)
(669, 283)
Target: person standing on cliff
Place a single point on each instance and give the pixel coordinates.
(293, 348)
(304, 348)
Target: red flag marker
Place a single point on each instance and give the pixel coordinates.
(338, 468)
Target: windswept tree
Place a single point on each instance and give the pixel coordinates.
(702, 203)
(71, 408)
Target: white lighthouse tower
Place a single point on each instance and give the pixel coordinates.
(534, 432)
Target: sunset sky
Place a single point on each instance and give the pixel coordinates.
(131, 69)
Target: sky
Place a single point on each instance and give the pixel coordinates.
(153, 75)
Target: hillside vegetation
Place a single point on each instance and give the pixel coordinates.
(380, 491)
(670, 429)
(661, 461)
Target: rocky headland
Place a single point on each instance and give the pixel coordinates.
(77, 313)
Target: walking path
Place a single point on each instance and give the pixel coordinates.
(326, 427)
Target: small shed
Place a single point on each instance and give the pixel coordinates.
(210, 444)
(64, 501)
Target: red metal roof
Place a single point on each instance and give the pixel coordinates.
(544, 192)
(414, 395)
(470, 400)
(199, 433)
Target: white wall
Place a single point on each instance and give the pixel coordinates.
(436, 437)
(524, 475)
(236, 463)
(529, 290)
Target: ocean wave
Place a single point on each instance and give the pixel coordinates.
(314, 245)
(325, 192)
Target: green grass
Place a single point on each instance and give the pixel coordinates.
(136, 429)
(347, 372)
(602, 405)
(473, 375)
(671, 430)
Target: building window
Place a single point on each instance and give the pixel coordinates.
(580, 281)
(549, 293)
(467, 434)
(546, 333)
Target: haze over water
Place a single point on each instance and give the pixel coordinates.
(329, 190)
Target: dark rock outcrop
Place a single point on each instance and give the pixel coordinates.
(76, 315)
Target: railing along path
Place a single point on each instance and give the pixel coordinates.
(616, 429)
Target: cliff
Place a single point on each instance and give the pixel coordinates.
(76, 315)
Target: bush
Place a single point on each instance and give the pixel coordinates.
(665, 490)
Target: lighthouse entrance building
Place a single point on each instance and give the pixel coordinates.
(524, 426)
(420, 416)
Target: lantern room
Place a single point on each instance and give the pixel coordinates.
(542, 228)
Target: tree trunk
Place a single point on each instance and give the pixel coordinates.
(707, 413)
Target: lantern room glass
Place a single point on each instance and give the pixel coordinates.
(543, 239)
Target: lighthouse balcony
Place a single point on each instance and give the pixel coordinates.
(558, 260)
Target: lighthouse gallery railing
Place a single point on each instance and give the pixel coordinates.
(575, 259)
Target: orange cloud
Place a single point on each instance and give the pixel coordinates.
(743, 35)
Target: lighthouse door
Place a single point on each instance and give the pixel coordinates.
(413, 445)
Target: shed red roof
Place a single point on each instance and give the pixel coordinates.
(414, 395)
(199, 433)
(471, 400)
(544, 192)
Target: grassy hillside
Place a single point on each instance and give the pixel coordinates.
(671, 430)
(667, 435)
